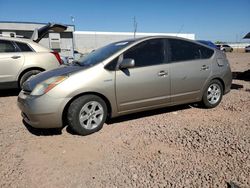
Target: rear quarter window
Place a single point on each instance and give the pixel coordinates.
(24, 47)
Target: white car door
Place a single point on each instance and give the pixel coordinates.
(11, 61)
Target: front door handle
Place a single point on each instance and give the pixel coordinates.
(15, 57)
(162, 73)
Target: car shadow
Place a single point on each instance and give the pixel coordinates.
(138, 115)
(9, 92)
(242, 75)
(42, 132)
(236, 86)
(143, 114)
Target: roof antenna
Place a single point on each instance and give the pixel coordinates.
(135, 26)
(72, 18)
(180, 30)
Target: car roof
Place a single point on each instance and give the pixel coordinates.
(16, 39)
(134, 41)
(140, 39)
(169, 37)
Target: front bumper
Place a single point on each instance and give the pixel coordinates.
(41, 111)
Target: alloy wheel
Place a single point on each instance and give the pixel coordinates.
(91, 115)
(213, 93)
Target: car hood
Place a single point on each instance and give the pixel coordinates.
(30, 84)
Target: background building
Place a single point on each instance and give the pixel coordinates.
(69, 40)
(86, 41)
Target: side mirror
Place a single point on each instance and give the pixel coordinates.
(127, 63)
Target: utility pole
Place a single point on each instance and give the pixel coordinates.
(135, 26)
(73, 22)
(72, 19)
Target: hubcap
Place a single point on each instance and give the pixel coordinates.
(91, 115)
(213, 93)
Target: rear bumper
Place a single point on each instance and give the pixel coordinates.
(42, 111)
(228, 80)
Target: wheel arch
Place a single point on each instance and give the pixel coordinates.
(210, 80)
(27, 70)
(221, 81)
(109, 107)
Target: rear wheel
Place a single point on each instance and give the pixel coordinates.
(213, 94)
(27, 76)
(87, 114)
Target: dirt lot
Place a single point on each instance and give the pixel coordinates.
(182, 146)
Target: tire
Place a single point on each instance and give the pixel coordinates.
(213, 94)
(87, 114)
(26, 76)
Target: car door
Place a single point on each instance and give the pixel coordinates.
(147, 84)
(11, 61)
(190, 68)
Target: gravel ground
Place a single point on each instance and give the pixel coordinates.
(183, 146)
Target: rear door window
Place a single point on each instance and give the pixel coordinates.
(24, 47)
(147, 53)
(185, 51)
(6, 46)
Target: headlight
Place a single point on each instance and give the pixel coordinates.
(47, 85)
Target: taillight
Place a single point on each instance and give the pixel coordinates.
(57, 57)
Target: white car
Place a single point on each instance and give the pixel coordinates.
(225, 47)
(22, 58)
(247, 48)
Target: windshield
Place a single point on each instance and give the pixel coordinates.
(103, 53)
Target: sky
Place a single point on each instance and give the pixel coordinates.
(215, 20)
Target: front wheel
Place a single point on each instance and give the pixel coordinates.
(213, 94)
(87, 114)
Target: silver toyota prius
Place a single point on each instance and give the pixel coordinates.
(125, 77)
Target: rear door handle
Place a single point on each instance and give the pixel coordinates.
(15, 57)
(162, 73)
(204, 67)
